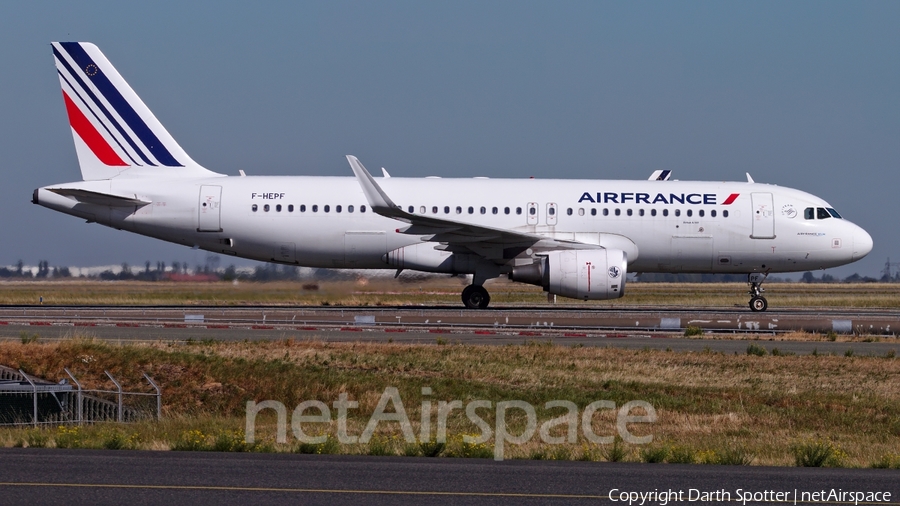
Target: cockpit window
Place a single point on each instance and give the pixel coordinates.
(834, 213)
(809, 213)
(821, 213)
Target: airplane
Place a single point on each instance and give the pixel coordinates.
(574, 238)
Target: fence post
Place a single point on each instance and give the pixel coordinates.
(33, 396)
(158, 397)
(79, 411)
(118, 386)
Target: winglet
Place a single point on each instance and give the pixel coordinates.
(374, 194)
(749, 179)
(660, 175)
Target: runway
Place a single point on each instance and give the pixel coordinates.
(652, 328)
(32, 476)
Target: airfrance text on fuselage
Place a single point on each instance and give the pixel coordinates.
(659, 198)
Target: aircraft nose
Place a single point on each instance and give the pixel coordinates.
(862, 243)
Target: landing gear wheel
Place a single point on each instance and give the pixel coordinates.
(758, 304)
(475, 297)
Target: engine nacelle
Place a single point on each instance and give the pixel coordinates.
(423, 257)
(578, 274)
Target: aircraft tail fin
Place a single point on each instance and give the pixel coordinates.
(114, 131)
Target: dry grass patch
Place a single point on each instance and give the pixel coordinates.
(706, 402)
(433, 291)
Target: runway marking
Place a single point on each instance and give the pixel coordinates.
(378, 492)
(308, 490)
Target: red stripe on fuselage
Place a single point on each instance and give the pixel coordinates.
(731, 198)
(90, 135)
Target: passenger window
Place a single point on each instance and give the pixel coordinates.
(580, 211)
(821, 213)
(291, 208)
(411, 209)
(532, 211)
(641, 212)
(808, 213)
(551, 211)
(594, 212)
(362, 209)
(725, 213)
(434, 209)
(665, 212)
(629, 212)
(701, 213)
(690, 212)
(302, 208)
(618, 212)
(266, 208)
(254, 207)
(494, 210)
(471, 210)
(518, 210)
(605, 212)
(278, 208)
(349, 209)
(483, 210)
(713, 213)
(315, 208)
(446, 209)
(505, 210)
(326, 208)
(337, 209)
(458, 210)
(653, 212)
(678, 212)
(569, 211)
(421, 209)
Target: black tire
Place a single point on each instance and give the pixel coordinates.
(758, 304)
(475, 297)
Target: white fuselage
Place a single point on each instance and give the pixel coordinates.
(675, 226)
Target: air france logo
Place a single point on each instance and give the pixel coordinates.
(614, 272)
(659, 198)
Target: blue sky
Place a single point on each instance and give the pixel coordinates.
(799, 94)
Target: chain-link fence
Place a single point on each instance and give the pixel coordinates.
(28, 400)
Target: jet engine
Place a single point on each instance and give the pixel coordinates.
(578, 274)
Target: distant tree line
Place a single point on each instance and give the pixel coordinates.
(44, 271)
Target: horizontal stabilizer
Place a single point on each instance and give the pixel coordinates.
(100, 199)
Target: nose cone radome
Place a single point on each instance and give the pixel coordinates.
(862, 243)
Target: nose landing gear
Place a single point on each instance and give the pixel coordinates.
(758, 303)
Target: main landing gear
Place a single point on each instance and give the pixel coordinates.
(475, 297)
(758, 303)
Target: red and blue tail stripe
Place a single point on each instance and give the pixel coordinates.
(108, 123)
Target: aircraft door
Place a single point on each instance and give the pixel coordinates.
(763, 216)
(209, 209)
(532, 213)
(551, 213)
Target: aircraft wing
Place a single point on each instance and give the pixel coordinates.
(491, 243)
